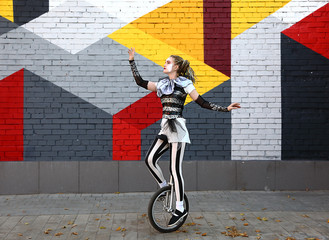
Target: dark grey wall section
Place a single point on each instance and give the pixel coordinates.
(6, 25)
(59, 126)
(133, 176)
(305, 102)
(210, 131)
(27, 10)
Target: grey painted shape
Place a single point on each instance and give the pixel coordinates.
(135, 177)
(19, 177)
(100, 74)
(99, 177)
(59, 126)
(297, 175)
(59, 177)
(210, 131)
(6, 25)
(215, 175)
(256, 175)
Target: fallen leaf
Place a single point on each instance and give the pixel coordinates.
(290, 238)
(74, 225)
(26, 223)
(70, 223)
(102, 227)
(66, 209)
(117, 193)
(305, 216)
(46, 232)
(19, 234)
(243, 219)
(233, 218)
(58, 234)
(74, 233)
(198, 233)
(190, 224)
(118, 229)
(257, 231)
(242, 214)
(264, 209)
(96, 219)
(144, 215)
(204, 234)
(199, 217)
(246, 224)
(278, 220)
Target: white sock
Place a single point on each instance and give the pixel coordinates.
(179, 206)
(163, 184)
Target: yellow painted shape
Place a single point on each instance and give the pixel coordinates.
(158, 51)
(179, 24)
(246, 13)
(7, 9)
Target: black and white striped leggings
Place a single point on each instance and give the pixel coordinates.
(157, 149)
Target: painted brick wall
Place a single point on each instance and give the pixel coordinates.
(67, 92)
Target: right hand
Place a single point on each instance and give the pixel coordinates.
(131, 52)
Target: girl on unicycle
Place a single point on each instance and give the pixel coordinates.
(172, 91)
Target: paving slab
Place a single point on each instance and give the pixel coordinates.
(266, 215)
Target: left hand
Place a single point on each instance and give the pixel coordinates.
(233, 106)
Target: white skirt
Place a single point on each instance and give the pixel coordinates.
(181, 135)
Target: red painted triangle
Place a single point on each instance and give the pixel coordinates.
(128, 124)
(12, 117)
(313, 31)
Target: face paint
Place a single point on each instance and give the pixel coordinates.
(169, 66)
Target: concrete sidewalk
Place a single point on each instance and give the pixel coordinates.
(213, 215)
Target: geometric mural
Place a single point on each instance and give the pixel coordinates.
(305, 88)
(67, 92)
(59, 126)
(305, 102)
(11, 117)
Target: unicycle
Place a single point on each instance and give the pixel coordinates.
(161, 207)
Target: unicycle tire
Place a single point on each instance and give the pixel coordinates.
(157, 212)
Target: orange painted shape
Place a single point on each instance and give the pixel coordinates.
(178, 24)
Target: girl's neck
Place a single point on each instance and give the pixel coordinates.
(172, 76)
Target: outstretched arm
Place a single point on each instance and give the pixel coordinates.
(205, 104)
(139, 80)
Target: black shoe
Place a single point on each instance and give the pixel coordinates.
(176, 217)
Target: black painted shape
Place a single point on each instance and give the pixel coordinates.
(305, 102)
(6, 25)
(210, 131)
(59, 126)
(27, 10)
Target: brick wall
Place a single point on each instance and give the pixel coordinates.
(67, 93)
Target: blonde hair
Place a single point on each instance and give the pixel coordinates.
(184, 68)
